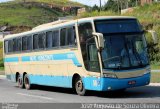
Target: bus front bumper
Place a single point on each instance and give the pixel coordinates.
(111, 84)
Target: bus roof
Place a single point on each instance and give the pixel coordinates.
(61, 23)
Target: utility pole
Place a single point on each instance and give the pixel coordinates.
(136, 3)
(118, 6)
(100, 5)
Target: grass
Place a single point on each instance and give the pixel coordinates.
(155, 77)
(96, 13)
(17, 15)
(1, 68)
(155, 67)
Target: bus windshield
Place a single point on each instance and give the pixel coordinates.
(124, 48)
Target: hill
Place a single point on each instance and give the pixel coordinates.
(21, 16)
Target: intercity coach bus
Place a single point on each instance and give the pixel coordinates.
(98, 53)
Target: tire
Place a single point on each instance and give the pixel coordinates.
(79, 87)
(20, 82)
(27, 82)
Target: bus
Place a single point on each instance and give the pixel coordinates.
(104, 53)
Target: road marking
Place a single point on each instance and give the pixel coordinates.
(35, 96)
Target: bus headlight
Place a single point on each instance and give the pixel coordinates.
(109, 75)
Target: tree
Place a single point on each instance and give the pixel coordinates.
(133, 3)
(95, 8)
(111, 5)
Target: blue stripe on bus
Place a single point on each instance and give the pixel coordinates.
(63, 56)
(12, 59)
(59, 81)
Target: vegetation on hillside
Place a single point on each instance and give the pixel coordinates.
(21, 16)
(57, 3)
(17, 15)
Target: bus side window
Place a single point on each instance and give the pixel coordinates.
(55, 39)
(41, 40)
(10, 46)
(19, 44)
(85, 32)
(49, 39)
(29, 43)
(24, 43)
(63, 37)
(71, 36)
(6, 47)
(14, 45)
(35, 41)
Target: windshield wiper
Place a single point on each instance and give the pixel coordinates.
(117, 64)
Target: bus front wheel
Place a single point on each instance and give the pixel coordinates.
(79, 87)
(27, 82)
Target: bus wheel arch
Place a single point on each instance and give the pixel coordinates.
(78, 85)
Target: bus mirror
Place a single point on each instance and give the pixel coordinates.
(154, 36)
(100, 39)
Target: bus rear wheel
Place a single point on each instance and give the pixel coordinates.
(27, 82)
(20, 82)
(79, 87)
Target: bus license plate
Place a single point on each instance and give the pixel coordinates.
(131, 82)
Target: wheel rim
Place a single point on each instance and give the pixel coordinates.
(79, 85)
(27, 82)
(19, 82)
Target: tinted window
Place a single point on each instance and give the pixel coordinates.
(10, 46)
(24, 43)
(19, 44)
(29, 43)
(49, 39)
(63, 37)
(71, 36)
(41, 40)
(85, 32)
(93, 63)
(117, 26)
(55, 39)
(6, 46)
(35, 41)
(14, 45)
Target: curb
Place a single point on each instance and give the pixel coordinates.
(155, 70)
(2, 76)
(154, 84)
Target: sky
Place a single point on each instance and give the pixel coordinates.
(4, 0)
(91, 2)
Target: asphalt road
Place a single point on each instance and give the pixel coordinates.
(9, 92)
